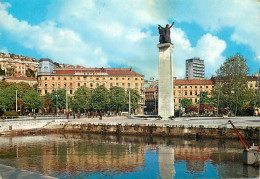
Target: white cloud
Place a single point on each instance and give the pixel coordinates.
(99, 33)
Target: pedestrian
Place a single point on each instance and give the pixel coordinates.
(3, 117)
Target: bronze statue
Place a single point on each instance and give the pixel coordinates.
(165, 33)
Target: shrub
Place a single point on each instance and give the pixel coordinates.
(11, 113)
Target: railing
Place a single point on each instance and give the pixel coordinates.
(37, 117)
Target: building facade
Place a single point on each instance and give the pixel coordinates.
(195, 68)
(183, 88)
(51, 79)
(14, 65)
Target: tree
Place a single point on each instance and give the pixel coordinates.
(30, 73)
(58, 98)
(135, 97)
(82, 99)
(100, 98)
(117, 98)
(204, 99)
(186, 103)
(7, 99)
(231, 90)
(32, 101)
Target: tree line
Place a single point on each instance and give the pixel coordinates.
(84, 100)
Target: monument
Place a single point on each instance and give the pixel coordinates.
(165, 89)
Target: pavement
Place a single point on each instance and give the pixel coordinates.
(206, 122)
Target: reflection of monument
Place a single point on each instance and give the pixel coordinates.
(166, 103)
(166, 162)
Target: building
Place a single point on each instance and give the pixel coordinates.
(30, 80)
(195, 68)
(15, 65)
(191, 89)
(50, 78)
(183, 88)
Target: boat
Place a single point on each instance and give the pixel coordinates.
(250, 153)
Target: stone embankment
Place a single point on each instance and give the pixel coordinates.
(249, 127)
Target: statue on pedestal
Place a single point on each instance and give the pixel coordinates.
(165, 33)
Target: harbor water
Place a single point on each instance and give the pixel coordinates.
(106, 156)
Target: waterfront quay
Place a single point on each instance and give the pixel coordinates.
(195, 127)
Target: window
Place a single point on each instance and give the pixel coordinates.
(185, 86)
(123, 85)
(64, 78)
(85, 78)
(179, 100)
(190, 86)
(104, 78)
(70, 78)
(185, 93)
(256, 85)
(70, 91)
(129, 85)
(58, 78)
(46, 92)
(91, 85)
(78, 78)
(97, 78)
(190, 92)
(45, 84)
(251, 85)
(70, 84)
(196, 100)
(116, 78)
(116, 84)
(195, 86)
(136, 85)
(45, 78)
(111, 78)
(179, 92)
(123, 78)
(111, 84)
(52, 78)
(128, 78)
(85, 84)
(78, 84)
(179, 86)
(200, 86)
(196, 93)
(97, 84)
(207, 87)
(135, 78)
(104, 84)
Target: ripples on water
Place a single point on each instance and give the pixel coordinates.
(97, 156)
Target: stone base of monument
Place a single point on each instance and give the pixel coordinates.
(165, 87)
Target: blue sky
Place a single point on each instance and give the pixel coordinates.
(109, 33)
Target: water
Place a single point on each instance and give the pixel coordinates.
(97, 156)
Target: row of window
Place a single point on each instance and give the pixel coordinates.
(179, 86)
(91, 85)
(91, 78)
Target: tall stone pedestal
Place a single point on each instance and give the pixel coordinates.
(165, 96)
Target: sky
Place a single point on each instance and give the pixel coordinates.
(123, 34)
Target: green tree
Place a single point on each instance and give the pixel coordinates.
(185, 102)
(231, 88)
(203, 97)
(58, 98)
(7, 100)
(100, 98)
(82, 99)
(117, 98)
(30, 73)
(10, 72)
(32, 100)
(135, 98)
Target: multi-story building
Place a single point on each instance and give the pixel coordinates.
(195, 68)
(50, 78)
(14, 65)
(183, 88)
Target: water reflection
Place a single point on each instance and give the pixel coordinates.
(97, 156)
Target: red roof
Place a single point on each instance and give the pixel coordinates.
(109, 71)
(193, 82)
(21, 78)
(151, 90)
